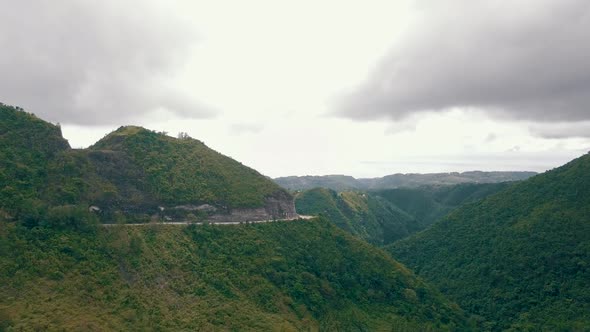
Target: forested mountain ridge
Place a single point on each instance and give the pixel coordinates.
(130, 173)
(385, 216)
(27, 145)
(393, 181)
(284, 276)
(184, 170)
(61, 270)
(519, 258)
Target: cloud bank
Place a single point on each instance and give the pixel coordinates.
(93, 62)
(561, 130)
(520, 60)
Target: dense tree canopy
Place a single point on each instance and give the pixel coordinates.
(384, 216)
(130, 172)
(520, 258)
(278, 276)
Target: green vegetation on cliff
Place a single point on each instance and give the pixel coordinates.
(129, 173)
(520, 258)
(427, 204)
(27, 146)
(280, 276)
(382, 217)
(184, 170)
(363, 215)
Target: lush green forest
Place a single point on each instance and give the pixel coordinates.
(368, 217)
(382, 217)
(280, 276)
(27, 146)
(520, 258)
(184, 170)
(128, 174)
(514, 256)
(61, 269)
(428, 204)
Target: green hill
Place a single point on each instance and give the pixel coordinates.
(520, 258)
(382, 217)
(27, 145)
(182, 171)
(132, 173)
(285, 276)
(61, 269)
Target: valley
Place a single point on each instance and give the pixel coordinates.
(318, 166)
(143, 231)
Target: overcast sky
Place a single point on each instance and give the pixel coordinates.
(365, 88)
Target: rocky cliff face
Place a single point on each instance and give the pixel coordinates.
(280, 205)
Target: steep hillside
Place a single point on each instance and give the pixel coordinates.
(520, 258)
(427, 204)
(300, 275)
(110, 180)
(27, 145)
(132, 173)
(348, 183)
(363, 215)
(382, 217)
(183, 171)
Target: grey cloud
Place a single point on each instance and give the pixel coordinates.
(88, 62)
(561, 130)
(515, 159)
(524, 60)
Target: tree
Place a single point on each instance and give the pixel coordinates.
(183, 135)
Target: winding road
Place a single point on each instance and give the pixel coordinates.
(184, 223)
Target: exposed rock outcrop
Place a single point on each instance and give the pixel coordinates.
(202, 207)
(281, 205)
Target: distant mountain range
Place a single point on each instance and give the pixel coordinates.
(345, 182)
